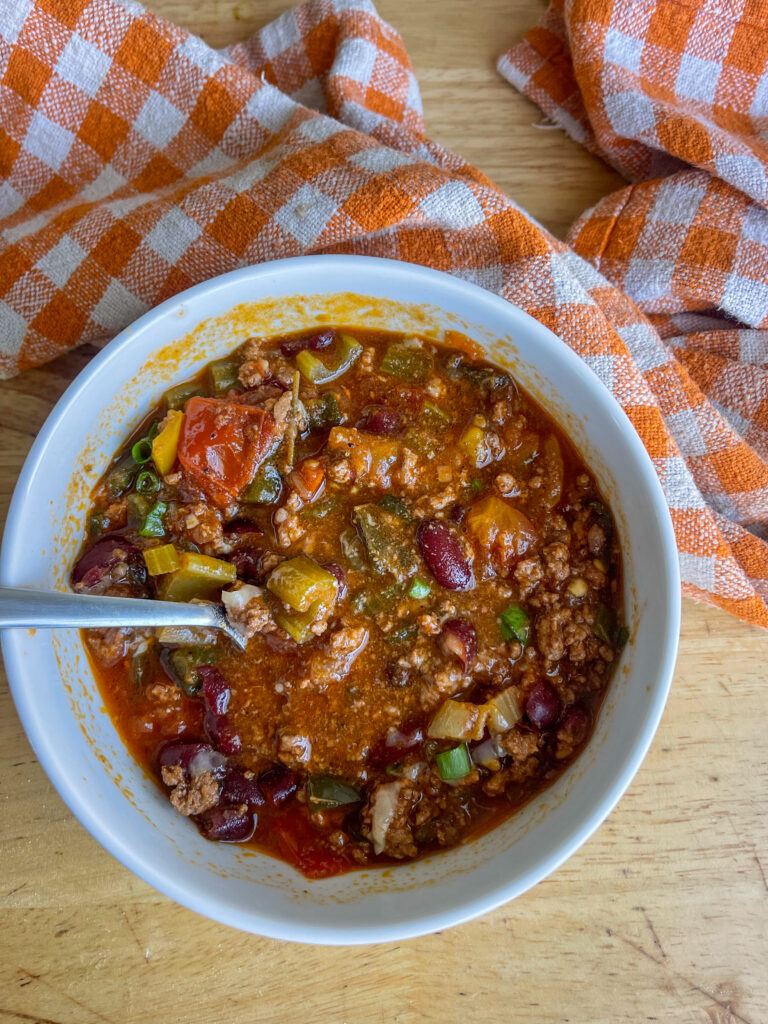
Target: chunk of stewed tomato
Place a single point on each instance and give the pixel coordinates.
(221, 445)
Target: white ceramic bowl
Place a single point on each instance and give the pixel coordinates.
(62, 711)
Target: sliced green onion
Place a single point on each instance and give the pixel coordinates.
(142, 451)
(153, 525)
(121, 475)
(419, 589)
(454, 764)
(515, 624)
(152, 432)
(147, 482)
(326, 793)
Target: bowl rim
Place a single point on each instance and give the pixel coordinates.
(301, 269)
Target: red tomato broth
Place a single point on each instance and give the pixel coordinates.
(352, 715)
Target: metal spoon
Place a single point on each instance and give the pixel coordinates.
(46, 610)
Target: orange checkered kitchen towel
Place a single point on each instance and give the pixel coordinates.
(135, 161)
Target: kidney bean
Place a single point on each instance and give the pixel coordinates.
(312, 342)
(396, 743)
(248, 562)
(240, 787)
(441, 551)
(380, 420)
(278, 784)
(341, 577)
(542, 705)
(216, 695)
(457, 513)
(180, 753)
(459, 639)
(241, 528)
(227, 824)
(100, 559)
(574, 725)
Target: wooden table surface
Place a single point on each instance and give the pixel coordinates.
(662, 915)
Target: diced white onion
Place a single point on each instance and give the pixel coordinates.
(503, 711)
(457, 720)
(382, 813)
(206, 761)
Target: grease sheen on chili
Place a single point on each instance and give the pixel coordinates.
(427, 574)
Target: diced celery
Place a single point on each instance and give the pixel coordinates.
(197, 576)
(300, 583)
(265, 488)
(161, 559)
(318, 371)
(224, 375)
(298, 625)
(409, 363)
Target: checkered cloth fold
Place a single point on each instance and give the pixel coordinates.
(136, 161)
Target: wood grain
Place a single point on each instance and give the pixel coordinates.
(662, 915)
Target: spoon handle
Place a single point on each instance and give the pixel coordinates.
(46, 609)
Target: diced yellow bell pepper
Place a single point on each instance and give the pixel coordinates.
(196, 576)
(161, 560)
(167, 441)
(472, 441)
(300, 583)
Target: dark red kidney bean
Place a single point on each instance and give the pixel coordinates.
(312, 342)
(396, 743)
(241, 528)
(341, 577)
(248, 562)
(397, 675)
(180, 753)
(227, 824)
(240, 786)
(221, 733)
(216, 691)
(380, 420)
(457, 513)
(278, 784)
(574, 725)
(459, 639)
(542, 706)
(443, 555)
(100, 559)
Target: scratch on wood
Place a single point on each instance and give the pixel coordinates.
(762, 873)
(37, 977)
(132, 930)
(12, 891)
(652, 930)
(692, 984)
(18, 1015)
